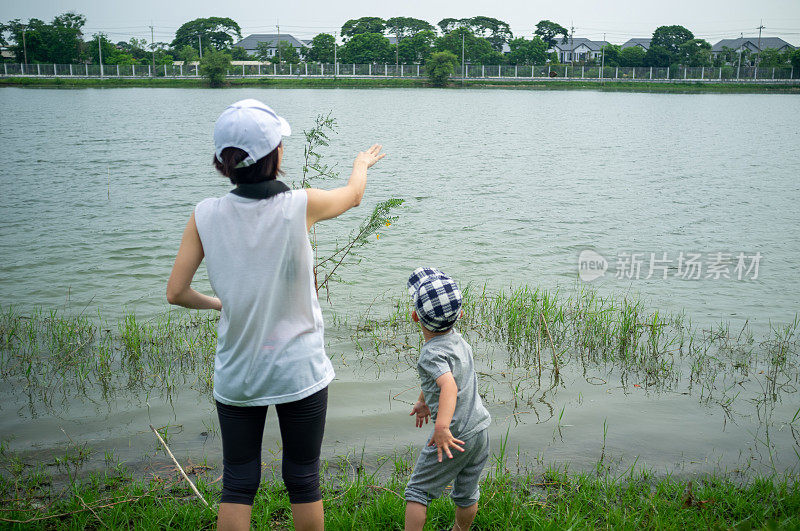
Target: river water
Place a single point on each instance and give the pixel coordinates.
(501, 187)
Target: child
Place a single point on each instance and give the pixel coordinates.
(449, 396)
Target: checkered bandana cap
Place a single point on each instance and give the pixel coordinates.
(436, 296)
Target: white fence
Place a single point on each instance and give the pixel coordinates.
(543, 72)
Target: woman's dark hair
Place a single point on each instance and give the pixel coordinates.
(265, 168)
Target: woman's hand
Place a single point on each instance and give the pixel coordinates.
(370, 156)
(423, 413)
(443, 440)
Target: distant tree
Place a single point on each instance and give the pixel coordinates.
(58, 42)
(187, 54)
(264, 51)
(109, 50)
(527, 52)
(774, 58)
(440, 66)
(322, 48)
(665, 45)
(450, 24)
(695, 52)
(417, 48)
(794, 58)
(493, 30)
(367, 48)
(548, 31)
(476, 49)
(631, 56)
(610, 54)
(403, 27)
(361, 25)
(216, 32)
(214, 66)
(239, 54)
(287, 53)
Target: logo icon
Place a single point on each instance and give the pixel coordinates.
(591, 265)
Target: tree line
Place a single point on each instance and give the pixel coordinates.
(364, 40)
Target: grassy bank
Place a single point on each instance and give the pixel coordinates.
(554, 499)
(627, 86)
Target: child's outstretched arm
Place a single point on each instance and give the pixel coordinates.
(421, 410)
(442, 437)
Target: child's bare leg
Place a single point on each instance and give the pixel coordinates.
(465, 516)
(415, 516)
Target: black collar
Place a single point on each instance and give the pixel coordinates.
(262, 190)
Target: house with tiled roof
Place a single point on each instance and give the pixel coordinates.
(751, 44)
(643, 43)
(250, 43)
(578, 49)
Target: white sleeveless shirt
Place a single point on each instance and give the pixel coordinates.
(270, 344)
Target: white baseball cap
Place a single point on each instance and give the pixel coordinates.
(251, 126)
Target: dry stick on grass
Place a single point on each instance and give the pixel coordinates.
(555, 354)
(189, 481)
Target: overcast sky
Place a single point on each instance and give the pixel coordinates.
(618, 19)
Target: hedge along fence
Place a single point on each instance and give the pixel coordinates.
(468, 71)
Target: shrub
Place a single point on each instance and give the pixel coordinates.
(214, 65)
(440, 66)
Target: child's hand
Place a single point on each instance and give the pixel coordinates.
(443, 440)
(422, 411)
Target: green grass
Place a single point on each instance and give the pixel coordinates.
(553, 500)
(378, 82)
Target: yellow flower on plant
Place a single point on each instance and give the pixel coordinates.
(388, 223)
(377, 236)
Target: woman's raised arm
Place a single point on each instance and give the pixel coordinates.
(327, 204)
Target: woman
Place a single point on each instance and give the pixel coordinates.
(270, 347)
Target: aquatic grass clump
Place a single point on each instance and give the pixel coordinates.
(55, 355)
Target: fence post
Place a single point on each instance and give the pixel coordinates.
(773, 72)
(720, 73)
(548, 70)
(616, 73)
(684, 72)
(290, 69)
(5, 68)
(401, 70)
(87, 69)
(755, 72)
(322, 69)
(196, 71)
(516, 71)
(149, 72)
(370, 69)
(702, 72)
(667, 73)
(117, 70)
(466, 71)
(101, 69)
(651, 72)
(306, 68)
(386, 69)
(133, 70)
(483, 70)
(274, 69)
(791, 75)
(633, 70)
(417, 69)
(38, 69)
(738, 70)
(582, 67)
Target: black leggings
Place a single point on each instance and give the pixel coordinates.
(302, 425)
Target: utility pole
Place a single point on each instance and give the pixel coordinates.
(396, 47)
(760, 27)
(571, 44)
(24, 45)
(153, 46)
(462, 57)
(278, 44)
(741, 46)
(200, 44)
(100, 50)
(335, 65)
(603, 57)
